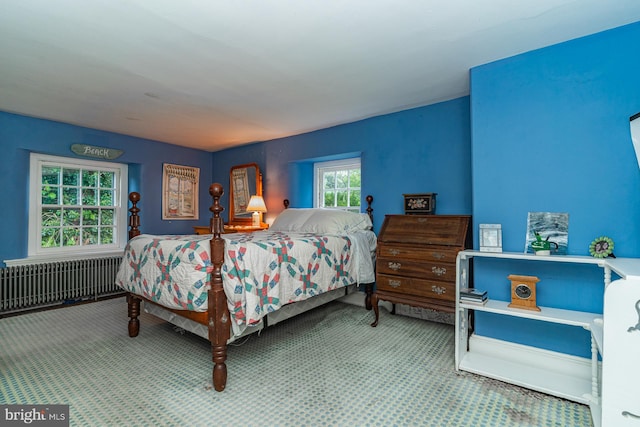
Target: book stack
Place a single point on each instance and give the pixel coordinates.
(473, 296)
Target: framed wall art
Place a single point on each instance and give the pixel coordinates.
(180, 192)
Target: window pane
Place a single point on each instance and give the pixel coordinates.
(107, 179)
(354, 198)
(50, 195)
(90, 236)
(329, 179)
(71, 217)
(50, 217)
(106, 216)
(90, 217)
(354, 178)
(329, 199)
(106, 235)
(70, 176)
(50, 237)
(89, 178)
(70, 236)
(50, 175)
(88, 197)
(342, 198)
(106, 198)
(342, 179)
(70, 196)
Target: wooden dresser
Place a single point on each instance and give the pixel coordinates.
(416, 260)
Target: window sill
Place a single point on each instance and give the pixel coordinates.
(41, 259)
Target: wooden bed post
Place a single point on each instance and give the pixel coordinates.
(134, 218)
(133, 302)
(368, 288)
(219, 318)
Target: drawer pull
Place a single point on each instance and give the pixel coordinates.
(394, 252)
(394, 283)
(629, 414)
(422, 220)
(395, 266)
(439, 271)
(438, 255)
(438, 289)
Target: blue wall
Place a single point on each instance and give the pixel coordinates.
(424, 149)
(550, 132)
(20, 135)
(547, 130)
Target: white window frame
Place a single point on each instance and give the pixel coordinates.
(320, 168)
(37, 253)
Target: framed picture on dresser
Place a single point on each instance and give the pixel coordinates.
(420, 204)
(490, 237)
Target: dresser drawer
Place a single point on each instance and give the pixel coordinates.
(419, 269)
(423, 253)
(412, 286)
(442, 230)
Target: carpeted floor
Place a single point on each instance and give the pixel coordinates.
(327, 367)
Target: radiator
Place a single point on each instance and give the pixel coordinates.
(29, 287)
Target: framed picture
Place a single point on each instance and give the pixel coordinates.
(490, 237)
(551, 226)
(180, 192)
(420, 204)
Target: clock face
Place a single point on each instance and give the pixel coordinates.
(523, 291)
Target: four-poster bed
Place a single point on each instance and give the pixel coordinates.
(236, 284)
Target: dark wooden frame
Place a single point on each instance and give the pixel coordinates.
(217, 315)
(248, 220)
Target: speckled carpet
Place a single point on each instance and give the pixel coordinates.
(327, 367)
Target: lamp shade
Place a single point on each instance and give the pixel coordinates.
(256, 204)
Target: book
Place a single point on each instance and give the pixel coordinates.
(472, 299)
(473, 292)
(474, 302)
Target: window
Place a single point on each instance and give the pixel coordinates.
(76, 206)
(337, 184)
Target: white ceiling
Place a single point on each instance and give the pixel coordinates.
(212, 74)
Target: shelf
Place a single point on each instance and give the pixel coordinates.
(556, 384)
(575, 259)
(626, 268)
(547, 314)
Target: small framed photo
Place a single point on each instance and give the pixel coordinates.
(490, 237)
(420, 204)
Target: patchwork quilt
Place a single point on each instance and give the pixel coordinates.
(262, 271)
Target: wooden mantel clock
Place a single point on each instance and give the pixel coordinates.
(523, 292)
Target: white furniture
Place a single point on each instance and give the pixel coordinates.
(620, 399)
(554, 373)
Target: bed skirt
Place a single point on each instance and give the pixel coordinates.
(284, 313)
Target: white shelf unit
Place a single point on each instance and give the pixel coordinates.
(504, 361)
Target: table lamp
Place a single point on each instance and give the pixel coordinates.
(257, 206)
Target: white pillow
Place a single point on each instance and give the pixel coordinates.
(323, 221)
(332, 221)
(291, 220)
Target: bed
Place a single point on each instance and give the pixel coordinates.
(224, 286)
